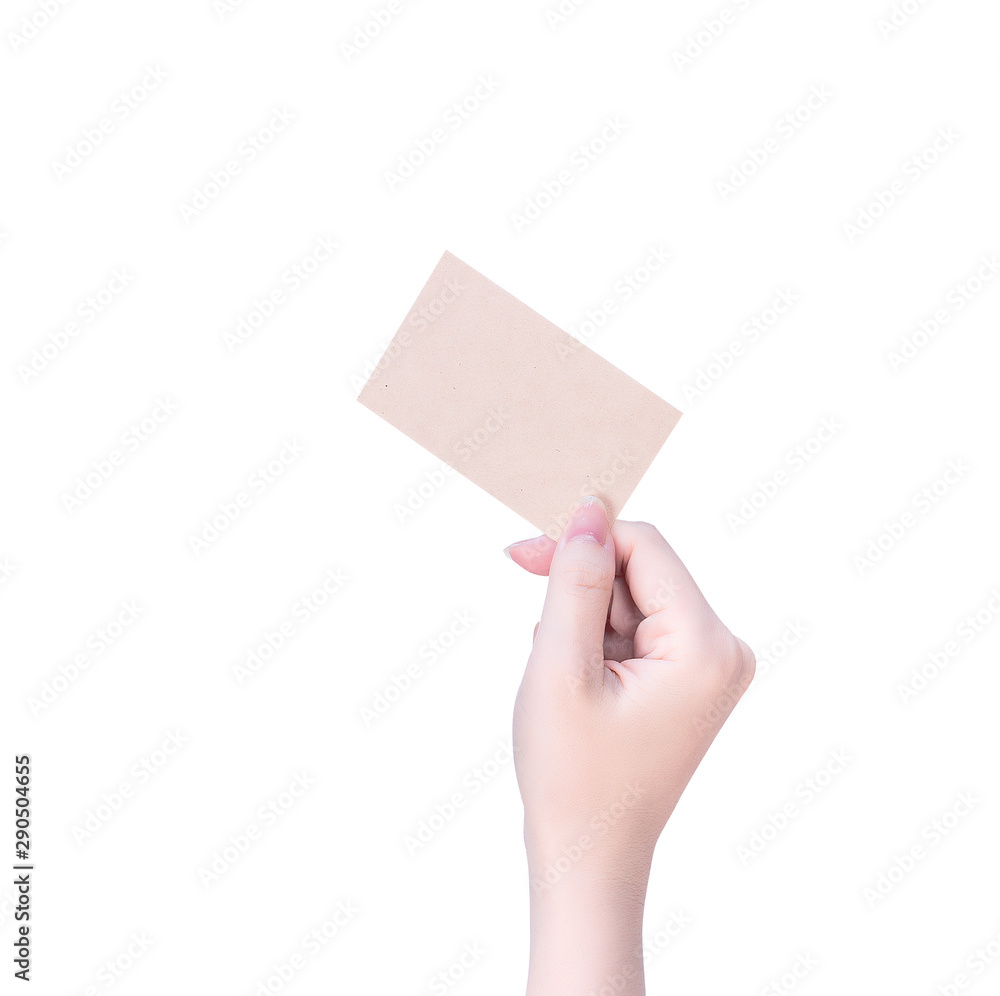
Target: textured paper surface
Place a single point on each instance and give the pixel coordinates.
(518, 406)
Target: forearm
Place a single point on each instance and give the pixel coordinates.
(586, 934)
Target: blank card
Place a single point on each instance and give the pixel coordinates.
(513, 403)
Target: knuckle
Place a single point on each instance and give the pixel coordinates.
(749, 662)
(648, 530)
(742, 663)
(586, 579)
(734, 660)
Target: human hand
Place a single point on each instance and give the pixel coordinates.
(630, 677)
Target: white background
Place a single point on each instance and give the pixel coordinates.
(798, 565)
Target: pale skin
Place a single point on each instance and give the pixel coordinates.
(630, 677)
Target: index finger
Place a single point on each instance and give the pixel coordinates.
(654, 572)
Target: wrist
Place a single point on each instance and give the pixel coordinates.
(586, 935)
(594, 861)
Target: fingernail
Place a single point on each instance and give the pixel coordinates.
(534, 540)
(590, 519)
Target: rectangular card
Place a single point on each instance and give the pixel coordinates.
(521, 408)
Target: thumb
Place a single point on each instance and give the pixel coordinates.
(570, 636)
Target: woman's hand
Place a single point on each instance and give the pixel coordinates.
(630, 677)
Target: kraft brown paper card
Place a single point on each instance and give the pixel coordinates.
(518, 406)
